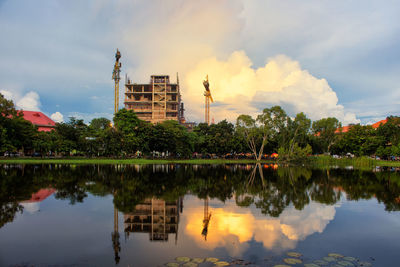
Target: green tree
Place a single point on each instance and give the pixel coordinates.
(257, 133)
(358, 140)
(390, 131)
(16, 133)
(216, 138)
(324, 134)
(294, 144)
(99, 124)
(172, 137)
(134, 132)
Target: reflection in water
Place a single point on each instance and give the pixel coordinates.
(115, 237)
(33, 204)
(206, 219)
(157, 217)
(233, 227)
(229, 207)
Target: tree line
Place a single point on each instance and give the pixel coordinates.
(272, 131)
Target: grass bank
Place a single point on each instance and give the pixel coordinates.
(358, 162)
(122, 161)
(317, 161)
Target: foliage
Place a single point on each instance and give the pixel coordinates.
(269, 132)
(16, 133)
(295, 153)
(268, 126)
(324, 134)
(219, 138)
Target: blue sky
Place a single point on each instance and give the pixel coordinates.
(328, 58)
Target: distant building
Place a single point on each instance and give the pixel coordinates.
(44, 123)
(157, 217)
(346, 128)
(155, 102)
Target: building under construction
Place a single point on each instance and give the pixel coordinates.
(155, 102)
(157, 217)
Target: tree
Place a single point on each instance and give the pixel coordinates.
(359, 140)
(134, 132)
(246, 127)
(324, 133)
(172, 137)
(99, 124)
(215, 138)
(390, 131)
(16, 133)
(71, 136)
(295, 137)
(266, 127)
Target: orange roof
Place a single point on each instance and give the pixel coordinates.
(343, 129)
(379, 123)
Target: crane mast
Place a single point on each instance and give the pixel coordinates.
(208, 99)
(116, 78)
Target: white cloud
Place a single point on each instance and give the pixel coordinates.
(192, 37)
(30, 101)
(181, 33)
(238, 88)
(165, 37)
(7, 94)
(57, 117)
(31, 207)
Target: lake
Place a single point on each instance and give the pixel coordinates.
(198, 215)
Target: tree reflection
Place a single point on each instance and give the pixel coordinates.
(268, 189)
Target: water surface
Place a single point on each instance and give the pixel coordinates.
(251, 215)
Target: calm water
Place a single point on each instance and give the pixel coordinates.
(58, 215)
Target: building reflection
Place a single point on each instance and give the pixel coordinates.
(32, 205)
(157, 217)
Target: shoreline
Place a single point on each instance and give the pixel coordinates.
(128, 161)
(315, 161)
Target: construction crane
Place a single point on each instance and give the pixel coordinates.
(115, 237)
(208, 98)
(116, 78)
(206, 219)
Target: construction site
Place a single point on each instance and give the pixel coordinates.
(156, 101)
(156, 217)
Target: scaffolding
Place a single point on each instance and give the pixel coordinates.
(157, 217)
(155, 102)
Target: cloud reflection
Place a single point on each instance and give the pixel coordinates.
(234, 228)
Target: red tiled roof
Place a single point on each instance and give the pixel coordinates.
(379, 123)
(40, 195)
(43, 122)
(344, 129)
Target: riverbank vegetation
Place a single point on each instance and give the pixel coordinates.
(272, 131)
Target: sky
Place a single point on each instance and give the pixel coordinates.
(323, 58)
